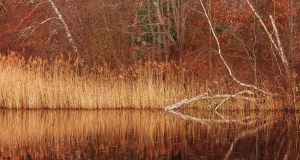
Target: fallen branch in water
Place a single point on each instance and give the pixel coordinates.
(206, 95)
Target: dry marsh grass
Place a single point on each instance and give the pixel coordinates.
(62, 84)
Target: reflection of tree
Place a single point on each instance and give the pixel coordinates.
(249, 126)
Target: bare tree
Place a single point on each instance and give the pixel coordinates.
(69, 36)
(276, 43)
(33, 24)
(248, 93)
(244, 94)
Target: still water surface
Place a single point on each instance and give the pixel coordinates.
(137, 135)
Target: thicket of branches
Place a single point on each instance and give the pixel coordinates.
(118, 32)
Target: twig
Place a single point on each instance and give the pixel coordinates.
(29, 14)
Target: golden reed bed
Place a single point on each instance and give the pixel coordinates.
(62, 84)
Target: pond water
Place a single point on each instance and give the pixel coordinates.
(135, 135)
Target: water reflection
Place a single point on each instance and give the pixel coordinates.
(148, 135)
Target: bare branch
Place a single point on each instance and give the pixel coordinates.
(281, 53)
(224, 61)
(278, 48)
(48, 19)
(277, 45)
(263, 25)
(29, 14)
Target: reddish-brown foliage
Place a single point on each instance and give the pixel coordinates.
(103, 32)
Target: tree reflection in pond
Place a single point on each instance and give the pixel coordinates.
(148, 135)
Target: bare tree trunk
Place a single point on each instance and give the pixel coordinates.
(254, 50)
(166, 37)
(168, 28)
(224, 97)
(183, 24)
(154, 45)
(164, 24)
(69, 36)
(291, 47)
(278, 47)
(179, 17)
(210, 63)
(291, 32)
(224, 61)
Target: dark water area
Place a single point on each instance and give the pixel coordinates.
(135, 135)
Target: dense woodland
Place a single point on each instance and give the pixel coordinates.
(121, 33)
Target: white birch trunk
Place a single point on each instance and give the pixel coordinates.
(69, 36)
(278, 47)
(225, 97)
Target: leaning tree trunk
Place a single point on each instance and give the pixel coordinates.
(69, 36)
(280, 52)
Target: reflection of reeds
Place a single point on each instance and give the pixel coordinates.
(61, 84)
(107, 132)
(141, 135)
